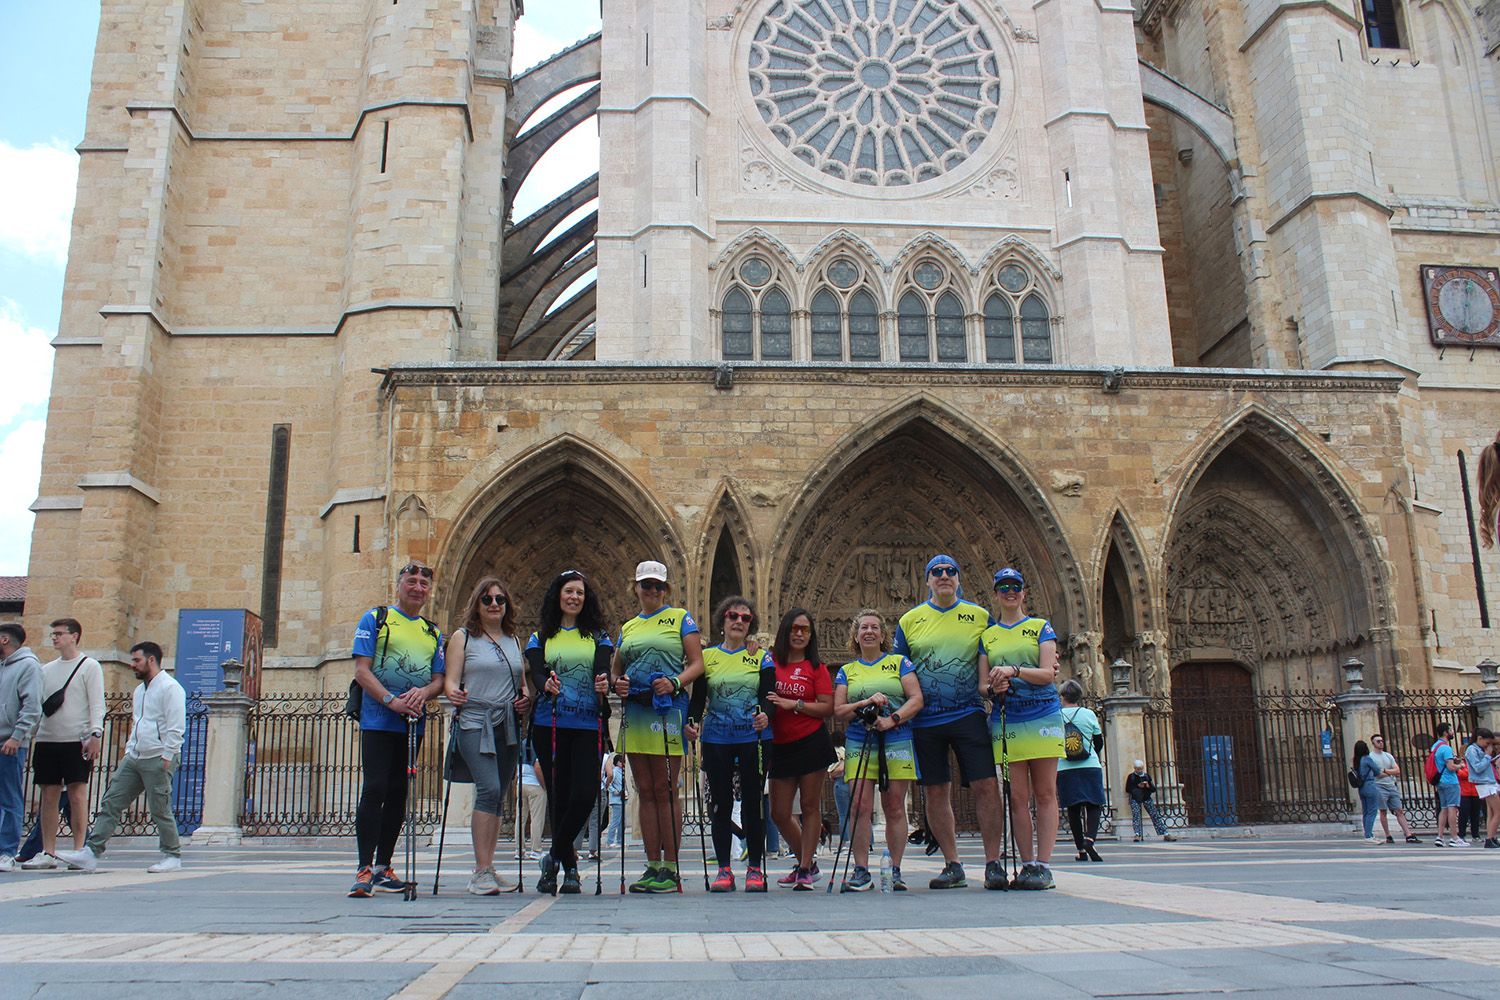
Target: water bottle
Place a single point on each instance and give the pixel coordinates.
(885, 870)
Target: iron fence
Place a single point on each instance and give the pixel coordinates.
(1161, 763)
(1408, 720)
(187, 794)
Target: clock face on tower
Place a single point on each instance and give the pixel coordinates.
(1463, 305)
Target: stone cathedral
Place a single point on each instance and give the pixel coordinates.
(1188, 309)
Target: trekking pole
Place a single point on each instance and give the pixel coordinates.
(599, 815)
(523, 734)
(409, 892)
(701, 809)
(864, 756)
(672, 814)
(437, 873)
(624, 793)
(552, 795)
(1007, 825)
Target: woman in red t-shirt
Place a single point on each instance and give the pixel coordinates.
(801, 746)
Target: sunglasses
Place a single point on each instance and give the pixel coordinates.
(492, 600)
(738, 616)
(1009, 588)
(412, 568)
(652, 584)
(800, 629)
(945, 571)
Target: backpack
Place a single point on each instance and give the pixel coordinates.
(355, 701)
(1430, 768)
(1355, 781)
(1074, 746)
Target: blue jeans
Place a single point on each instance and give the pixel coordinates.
(12, 805)
(616, 817)
(1369, 799)
(773, 835)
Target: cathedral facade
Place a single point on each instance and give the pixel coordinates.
(1188, 310)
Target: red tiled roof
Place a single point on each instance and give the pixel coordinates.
(12, 588)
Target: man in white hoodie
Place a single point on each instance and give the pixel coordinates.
(158, 722)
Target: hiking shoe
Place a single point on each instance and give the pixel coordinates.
(547, 883)
(664, 880)
(84, 859)
(1033, 876)
(647, 879)
(815, 872)
(805, 880)
(724, 881)
(951, 877)
(364, 884)
(386, 880)
(483, 884)
(994, 875)
(790, 878)
(571, 884)
(755, 880)
(860, 881)
(41, 862)
(898, 884)
(168, 863)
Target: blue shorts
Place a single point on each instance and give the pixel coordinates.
(1448, 796)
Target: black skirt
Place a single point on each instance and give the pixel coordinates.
(814, 752)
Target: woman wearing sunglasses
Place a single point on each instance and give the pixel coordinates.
(660, 652)
(567, 660)
(732, 703)
(484, 684)
(1022, 650)
(803, 748)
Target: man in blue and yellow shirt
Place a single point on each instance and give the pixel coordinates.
(398, 662)
(941, 636)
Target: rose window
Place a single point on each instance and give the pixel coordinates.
(877, 92)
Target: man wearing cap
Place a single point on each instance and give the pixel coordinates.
(941, 636)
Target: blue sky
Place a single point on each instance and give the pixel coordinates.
(46, 56)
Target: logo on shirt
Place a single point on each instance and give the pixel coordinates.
(966, 616)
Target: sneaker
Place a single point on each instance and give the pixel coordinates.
(386, 880)
(647, 879)
(1033, 876)
(364, 883)
(755, 880)
(1439, 842)
(1042, 879)
(994, 876)
(664, 880)
(1169, 837)
(502, 884)
(533, 856)
(168, 863)
(8, 863)
(805, 880)
(951, 877)
(724, 882)
(84, 859)
(1457, 842)
(815, 872)
(547, 883)
(483, 884)
(898, 884)
(789, 879)
(744, 853)
(859, 881)
(1139, 838)
(571, 884)
(1389, 839)
(1491, 843)
(1370, 840)
(1412, 838)
(42, 862)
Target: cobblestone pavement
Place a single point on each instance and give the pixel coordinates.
(1258, 918)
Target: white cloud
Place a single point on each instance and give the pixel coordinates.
(28, 365)
(37, 185)
(21, 458)
(534, 44)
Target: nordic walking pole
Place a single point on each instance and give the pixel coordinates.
(409, 892)
(437, 873)
(524, 736)
(864, 756)
(671, 824)
(698, 798)
(1007, 826)
(624, 793)
(601, 708)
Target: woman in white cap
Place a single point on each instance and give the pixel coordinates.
(659, 654)
(1022, 649)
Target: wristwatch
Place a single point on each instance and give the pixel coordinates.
(388, 698)
(896, 716)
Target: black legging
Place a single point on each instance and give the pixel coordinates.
(382, 799)
(719, 763)
(572, 788)
(1083, 820)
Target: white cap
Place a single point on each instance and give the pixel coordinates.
(650, 570)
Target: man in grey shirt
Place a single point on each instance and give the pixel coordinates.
(1387, 794)
(20, 714)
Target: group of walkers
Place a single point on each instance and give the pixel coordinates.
(952, 681)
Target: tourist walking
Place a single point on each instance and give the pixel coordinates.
(568, 659)
(876, 695)
(484, 683)
(659, 652)
(1026, 723)
(1080, 776)
(802, 747)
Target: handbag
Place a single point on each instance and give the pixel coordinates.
(54, 701)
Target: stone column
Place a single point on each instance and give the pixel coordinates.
(1124, 735)
(1360, 710)
(1486, 701)
(224, 760)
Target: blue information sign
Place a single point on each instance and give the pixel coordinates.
(206, 637)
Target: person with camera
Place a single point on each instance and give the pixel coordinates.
(1026, 723)
(1139, 788)
(876, 695)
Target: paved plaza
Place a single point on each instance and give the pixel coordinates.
(1255, 918)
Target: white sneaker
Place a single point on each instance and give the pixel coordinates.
(1371, 840)
(42, 862)
(1457, 842)
(168, 863)
(8, 863)
(84, 859)
(482, 884)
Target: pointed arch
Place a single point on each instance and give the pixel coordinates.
(728, 513)
(1128, 619)
(936, 245)
(918, 479)
(755, 237)
(565, 504)
(848, 242)
(1022, 249)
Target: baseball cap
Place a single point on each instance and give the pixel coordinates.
(1009, 574)
(650, 570)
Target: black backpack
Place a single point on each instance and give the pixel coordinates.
(355, 701)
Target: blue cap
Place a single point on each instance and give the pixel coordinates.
(939, 560)
(1009, 574)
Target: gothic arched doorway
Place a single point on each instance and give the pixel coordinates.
(1213, 727)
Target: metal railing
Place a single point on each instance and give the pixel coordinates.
(187, 800)
(1408, 720)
